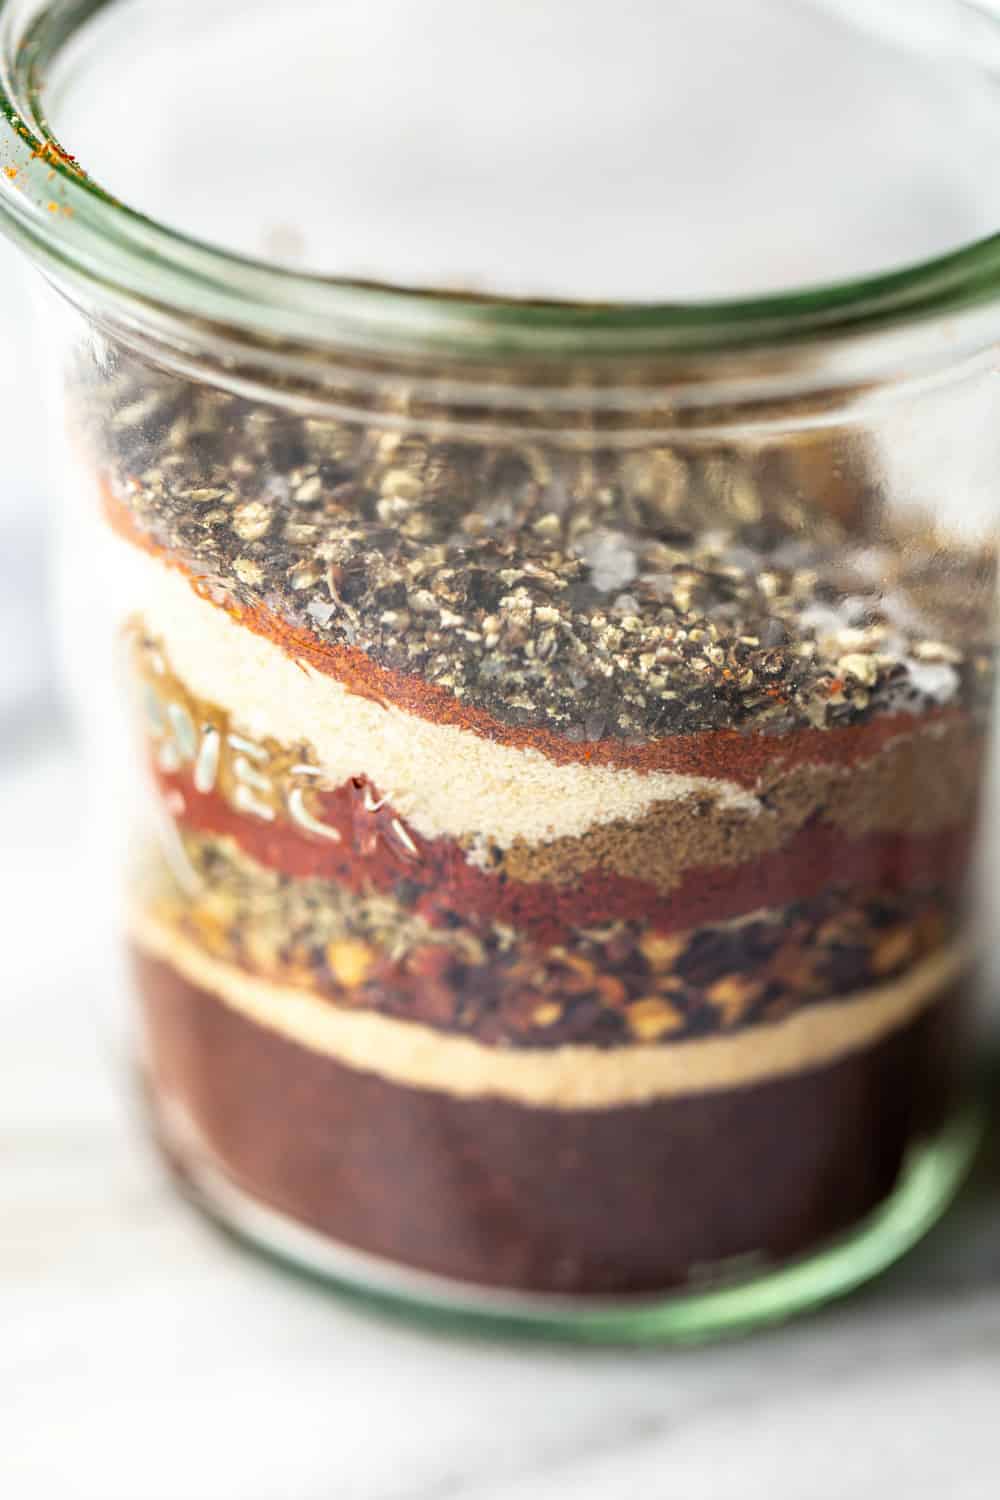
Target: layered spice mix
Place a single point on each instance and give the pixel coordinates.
(561, 840)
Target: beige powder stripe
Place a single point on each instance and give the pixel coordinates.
(444, 780)
(570, 1077)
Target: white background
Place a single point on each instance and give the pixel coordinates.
(142, 1357)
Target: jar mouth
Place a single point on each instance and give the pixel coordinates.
(80, 232)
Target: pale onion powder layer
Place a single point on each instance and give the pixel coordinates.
(443, 780)
(575, 1076)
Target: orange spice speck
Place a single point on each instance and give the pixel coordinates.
(51, 152)
(10, 172)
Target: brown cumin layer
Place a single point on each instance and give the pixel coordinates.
(723, 754)
(922, 784)
(547, 901)
(639, 1198)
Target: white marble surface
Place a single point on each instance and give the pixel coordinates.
(143, 1357)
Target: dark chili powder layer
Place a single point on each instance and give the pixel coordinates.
(720, 754)
(641, 1198)
(441, 886)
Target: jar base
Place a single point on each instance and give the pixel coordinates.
(931, 1176)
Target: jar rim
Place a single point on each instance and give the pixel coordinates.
(67, 221)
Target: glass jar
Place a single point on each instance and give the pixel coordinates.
(547, 746)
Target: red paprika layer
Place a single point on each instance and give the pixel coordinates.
(636, 1198)
(443, 886)
(722, 754)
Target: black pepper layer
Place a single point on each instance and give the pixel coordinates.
(598, 596)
